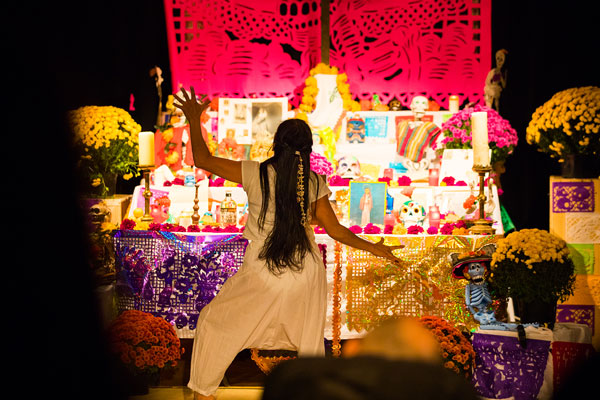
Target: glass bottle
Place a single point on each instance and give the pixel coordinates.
(228, 210)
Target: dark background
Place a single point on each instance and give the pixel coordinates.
(63, 55)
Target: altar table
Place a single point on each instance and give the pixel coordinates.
(173, 275)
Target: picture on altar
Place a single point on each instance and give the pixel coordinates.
(367, 203)
(249, 120)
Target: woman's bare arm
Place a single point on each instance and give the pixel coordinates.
(223, 167)
(325, 217)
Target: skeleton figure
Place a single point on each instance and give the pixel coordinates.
(473, 266)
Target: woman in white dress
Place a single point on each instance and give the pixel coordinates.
(277, 299)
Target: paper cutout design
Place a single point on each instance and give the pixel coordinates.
(504, 369)
(583, 257)
(572, 197)
(582, 228)
(577, 314)
(249, 48)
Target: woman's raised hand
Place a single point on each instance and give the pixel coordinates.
(190, 106)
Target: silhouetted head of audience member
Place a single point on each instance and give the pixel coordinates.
(401, 338)
(400, 359)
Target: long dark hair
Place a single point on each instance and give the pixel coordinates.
(287, 243)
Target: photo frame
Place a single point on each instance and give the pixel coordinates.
(367, 203)
(246, 119)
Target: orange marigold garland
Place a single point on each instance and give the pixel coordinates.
(144, 343)
(457, 350)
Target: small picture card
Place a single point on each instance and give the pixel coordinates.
(367, 203)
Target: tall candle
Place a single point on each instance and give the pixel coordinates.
(453, 104)
(481, 148)
(146, 149)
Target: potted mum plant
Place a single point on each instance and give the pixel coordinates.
(143, 345)
(567, 128)
(535, 269)
(457, 134)
(107, 140)
(457, 351)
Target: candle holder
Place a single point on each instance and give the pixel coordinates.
(482, 226)
(147, 217)
(196, 215)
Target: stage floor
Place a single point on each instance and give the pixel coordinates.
(183, 393)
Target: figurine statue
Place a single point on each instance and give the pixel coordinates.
(474, 267)
(495, 81)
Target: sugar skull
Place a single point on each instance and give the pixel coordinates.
(418, 106)
(348, 167)
(412, 213)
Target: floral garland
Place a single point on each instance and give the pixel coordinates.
(143, 342)
(310, 90)
(457, 132)
(107, 139)
(129, 224)
(568, 123)
(457, 351)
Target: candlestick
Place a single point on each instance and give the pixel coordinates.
(482, 226)
(146, 149)
(195, 215)
(481, 148)
(147, 217)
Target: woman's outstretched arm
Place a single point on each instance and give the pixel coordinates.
(223, 167)
(325, 217)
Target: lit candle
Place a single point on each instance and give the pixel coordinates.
(434, 176)
(434, 216)
(453, 104)
(481, 148)
(146, 149)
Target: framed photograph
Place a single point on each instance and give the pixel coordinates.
(367, 203)
(244, 119)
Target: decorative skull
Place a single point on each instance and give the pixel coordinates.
(395, 105)
(348, 167)
(412, 213)
(418, 106)
(99, 213)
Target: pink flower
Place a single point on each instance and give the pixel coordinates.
(337, 180)
(230, 229)
(447, 229)
(193, 228)
(319, 230)
(154, 226)
(448, 180)
(404, 181)
(385, 179)
(218, 182)
(460, 224)
(178, 181)
(127, 224)
(355, 229)
(388, 229)
(460, 183)
(372, 229)
(168, 183)
(415, 230)
(432, 230)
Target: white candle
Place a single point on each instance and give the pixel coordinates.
(146, 149)
(481, 147)
(453, 104)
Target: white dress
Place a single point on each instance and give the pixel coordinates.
(256, 309)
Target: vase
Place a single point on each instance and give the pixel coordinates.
(134, 383)
(580, 166)
(536, 311)
(110, 181)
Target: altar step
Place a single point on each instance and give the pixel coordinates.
(184, 393)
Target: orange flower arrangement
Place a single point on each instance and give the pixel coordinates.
(143, 342)
(457, 351)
